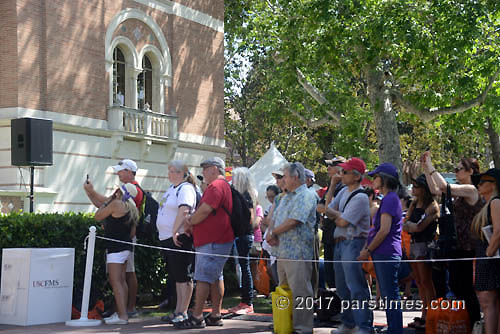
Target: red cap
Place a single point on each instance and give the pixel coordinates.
(354, 164)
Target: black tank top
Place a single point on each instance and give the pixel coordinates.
(119, 229)
(429, 232)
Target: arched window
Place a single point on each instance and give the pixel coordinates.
(145, 85)
(118, 77)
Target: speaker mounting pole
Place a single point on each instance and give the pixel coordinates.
(32, 183)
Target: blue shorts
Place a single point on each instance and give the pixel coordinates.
(208, 268)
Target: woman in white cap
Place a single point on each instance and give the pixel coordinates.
(119, 217)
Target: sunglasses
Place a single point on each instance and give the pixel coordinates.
(278, 177)
(458, 169)
(484, 181)
(347, 172)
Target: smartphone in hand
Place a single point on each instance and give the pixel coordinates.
(87, 178)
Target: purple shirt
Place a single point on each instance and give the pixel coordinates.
(392, 243)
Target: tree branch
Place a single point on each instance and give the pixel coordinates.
(318, 97)
(428, 114)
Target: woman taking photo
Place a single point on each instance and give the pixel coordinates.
(176, 204)
(420, 222)
(384, 242)
(466, 205)
(487, 283)
(120, 215)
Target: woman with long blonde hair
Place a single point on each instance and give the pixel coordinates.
(243, 182)
(487, 283)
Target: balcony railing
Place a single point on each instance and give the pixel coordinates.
(147, 123)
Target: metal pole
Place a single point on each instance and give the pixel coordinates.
(84, 321)
(32, 185)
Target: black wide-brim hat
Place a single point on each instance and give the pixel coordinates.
(421, 180)
(493, 172)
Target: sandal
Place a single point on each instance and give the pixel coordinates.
(213, 321)
(190, 323)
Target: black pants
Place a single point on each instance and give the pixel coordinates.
(461, 274)
(329, 251)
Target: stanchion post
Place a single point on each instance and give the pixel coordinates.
(84, 321)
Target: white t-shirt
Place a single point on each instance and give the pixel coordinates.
(169, 206)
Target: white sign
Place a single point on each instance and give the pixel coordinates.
(37, 285)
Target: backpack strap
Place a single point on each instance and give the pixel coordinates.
(143, 202)
(195, 192)
(351, 196)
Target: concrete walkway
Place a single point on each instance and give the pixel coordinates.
(254, 324)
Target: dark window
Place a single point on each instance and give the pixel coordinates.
(145, 85)
(118, 77)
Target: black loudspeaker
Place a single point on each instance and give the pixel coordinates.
(31, 142)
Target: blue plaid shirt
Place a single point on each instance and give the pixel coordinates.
(297, 243)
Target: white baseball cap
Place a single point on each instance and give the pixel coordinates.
(126, 164)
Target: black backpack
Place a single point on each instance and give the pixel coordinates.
(146, 227)
(198, 194)
(240, 216)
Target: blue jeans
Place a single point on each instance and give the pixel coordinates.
(387, 277)
(243, 245)
(352, 286)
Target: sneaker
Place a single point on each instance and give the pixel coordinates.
(241, 308)
(190, 323)
(168, 318)
(110, 317)
(116, 320)
(343, 329)
(133, 314)
(179, 317)
(245, 310)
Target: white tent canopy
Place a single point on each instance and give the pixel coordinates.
(262, 169)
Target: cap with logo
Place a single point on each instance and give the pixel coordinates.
(126, 164)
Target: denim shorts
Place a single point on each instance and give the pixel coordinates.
(208, 268)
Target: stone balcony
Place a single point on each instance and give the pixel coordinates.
(141, 123)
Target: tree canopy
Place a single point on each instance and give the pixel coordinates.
(361, 74)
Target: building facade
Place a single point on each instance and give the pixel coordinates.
(138, 79)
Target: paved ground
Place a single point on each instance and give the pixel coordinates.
(252, 324)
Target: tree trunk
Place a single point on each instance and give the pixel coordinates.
(494, 142)
(389, 149)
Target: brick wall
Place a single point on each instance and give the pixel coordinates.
(60, 47)
(8, 54)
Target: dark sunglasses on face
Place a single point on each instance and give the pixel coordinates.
(458, 169)
(278, 177)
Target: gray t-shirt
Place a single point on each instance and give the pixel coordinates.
(357, 213)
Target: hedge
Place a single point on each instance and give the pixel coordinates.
(68, 230)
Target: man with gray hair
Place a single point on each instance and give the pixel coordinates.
(212, 237)
(292, 231)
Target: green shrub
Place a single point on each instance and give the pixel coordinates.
(68, 230)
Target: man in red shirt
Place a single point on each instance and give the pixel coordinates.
(126, 170)
(212, 235)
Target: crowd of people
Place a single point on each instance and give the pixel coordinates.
(360, 215)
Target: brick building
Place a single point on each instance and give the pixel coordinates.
(138, 79)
